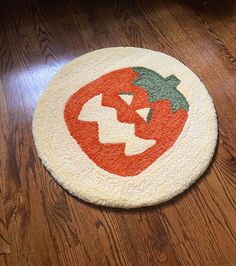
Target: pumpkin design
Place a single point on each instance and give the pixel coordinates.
(126, 119)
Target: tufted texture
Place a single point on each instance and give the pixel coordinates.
(169, 175)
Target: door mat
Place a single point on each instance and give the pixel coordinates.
(125, 127)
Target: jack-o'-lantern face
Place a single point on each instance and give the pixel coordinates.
(126, 119)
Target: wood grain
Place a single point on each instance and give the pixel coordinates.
(40, 223)
(4, 239)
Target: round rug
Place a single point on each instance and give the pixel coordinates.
(125, 127)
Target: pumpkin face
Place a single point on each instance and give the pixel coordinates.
(126, 119)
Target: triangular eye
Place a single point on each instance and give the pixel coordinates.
(144, 113)
(128, 98)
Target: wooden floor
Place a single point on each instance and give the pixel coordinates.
(40, 223)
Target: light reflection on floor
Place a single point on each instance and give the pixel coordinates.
(28, 84)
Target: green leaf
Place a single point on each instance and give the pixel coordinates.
(160, 88)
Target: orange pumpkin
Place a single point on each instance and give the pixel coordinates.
(163, 124)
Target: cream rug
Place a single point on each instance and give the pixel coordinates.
(125, 127)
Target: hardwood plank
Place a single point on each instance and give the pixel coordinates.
(2, 260)
(220, 21)
(113, 242)
(4, 239)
